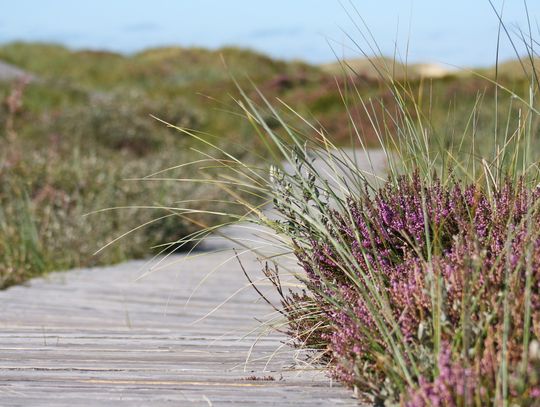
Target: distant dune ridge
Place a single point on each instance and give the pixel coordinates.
(19, 59)
(371, 68)
(376, 67)
(385, 68)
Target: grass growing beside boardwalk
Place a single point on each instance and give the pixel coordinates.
(425, 291)
(421, 288)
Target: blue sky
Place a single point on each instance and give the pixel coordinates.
(458, 32)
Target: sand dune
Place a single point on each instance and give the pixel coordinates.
(374, 68)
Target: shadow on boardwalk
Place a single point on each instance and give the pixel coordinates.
(104, 336)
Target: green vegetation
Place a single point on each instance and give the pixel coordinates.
(421, 288)
(71, 139)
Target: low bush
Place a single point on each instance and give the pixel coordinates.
(446, 275)
(421, 288)
(122, 122)
(46, 202)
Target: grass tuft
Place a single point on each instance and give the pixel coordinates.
(421, 287)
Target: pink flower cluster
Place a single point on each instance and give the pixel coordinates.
(397, 243)
(454, 386)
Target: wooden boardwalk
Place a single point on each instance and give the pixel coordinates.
(125, 336)
(98, 336)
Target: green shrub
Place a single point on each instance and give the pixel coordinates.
(123, 122)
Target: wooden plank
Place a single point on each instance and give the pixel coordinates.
(100, 336)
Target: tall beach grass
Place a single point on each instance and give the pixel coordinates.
(421, 286)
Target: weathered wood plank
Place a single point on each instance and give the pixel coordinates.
(100, 336)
